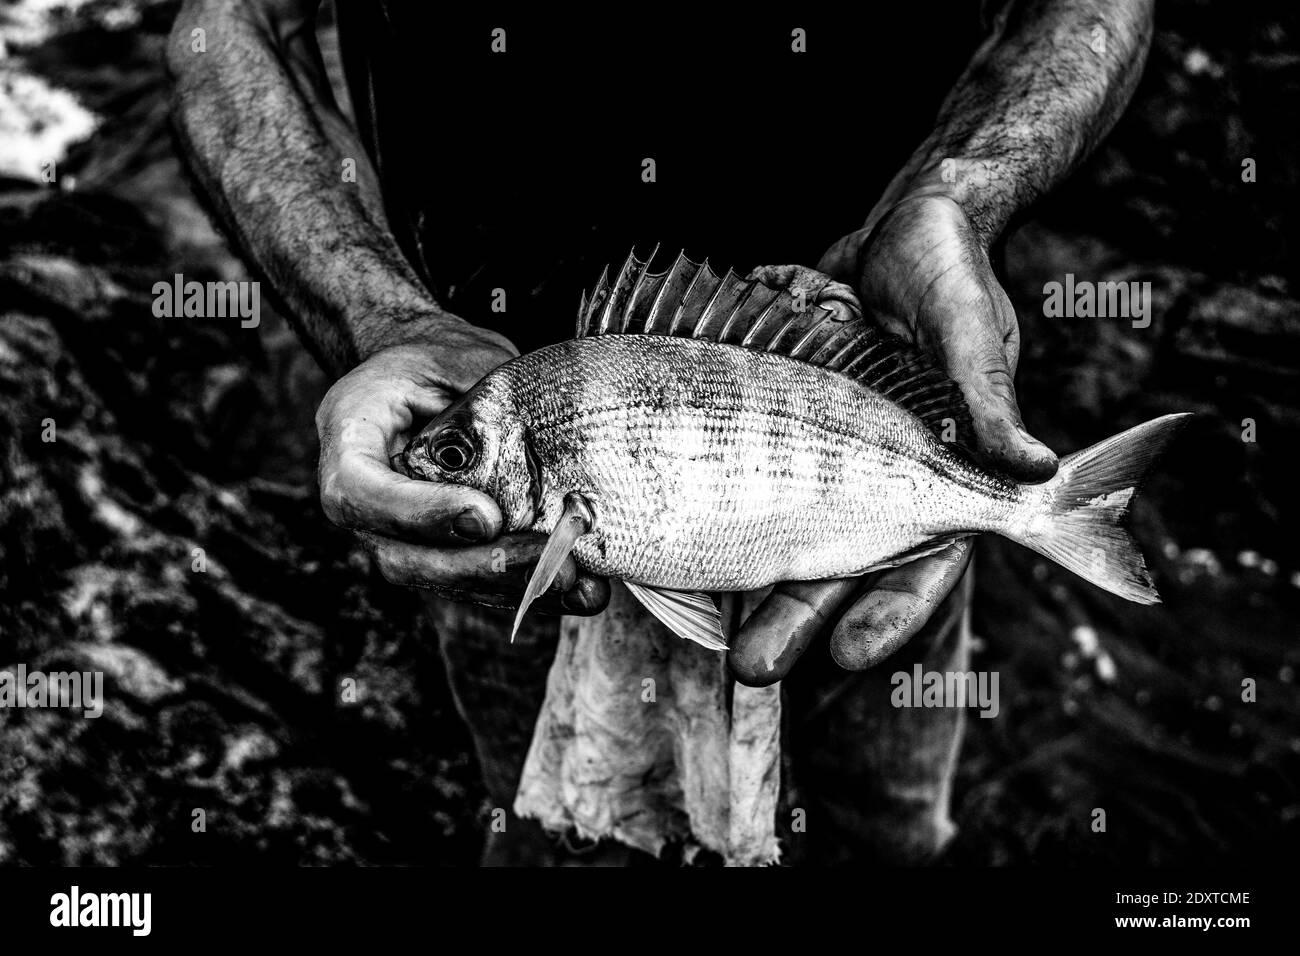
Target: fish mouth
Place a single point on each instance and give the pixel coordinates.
(401, 462)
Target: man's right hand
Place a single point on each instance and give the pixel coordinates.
(426, 534)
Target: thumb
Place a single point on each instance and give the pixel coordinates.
(1003, 441)
(816, 287)
(980, 358)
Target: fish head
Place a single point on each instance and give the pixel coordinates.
(481, 442)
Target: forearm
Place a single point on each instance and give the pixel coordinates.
(264, 137)
(1038, 95)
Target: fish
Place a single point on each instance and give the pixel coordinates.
(704, 433)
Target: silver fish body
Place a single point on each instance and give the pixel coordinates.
(718, 468)
(708, 433)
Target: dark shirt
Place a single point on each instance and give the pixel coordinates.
(523, 170)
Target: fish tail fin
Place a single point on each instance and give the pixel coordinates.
(1079, 526)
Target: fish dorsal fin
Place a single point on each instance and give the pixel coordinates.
(690, 300)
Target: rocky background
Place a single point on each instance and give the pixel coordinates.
(181, 444)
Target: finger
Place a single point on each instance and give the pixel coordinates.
(897, 605)
(573, 591)
(841, 260)
(799, 279)
(500, 567)
(426, 402)
(588, 595)
(359, 490)
(839, 292)
(1002, 439)
(840, 311)
(778, 277)
(976, 355)
(495, 573)
(781, 628)
(816, 288)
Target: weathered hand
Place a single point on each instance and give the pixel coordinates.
(437, 536)
(923, 275)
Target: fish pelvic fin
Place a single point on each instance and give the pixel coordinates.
(1078, 520)
(575, 521)
(688, 614)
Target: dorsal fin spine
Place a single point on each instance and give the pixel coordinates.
(866, 372)
(703, 321)
(763, 316)
(813, 330)
(735, 310)
(636, 286)
(677, 316)
(771, 344)
(607, 313)
(844, 351)
(598, 296)
(879, 384)
(581, 326)
(825, 347)
(911, 394)
(653, 317)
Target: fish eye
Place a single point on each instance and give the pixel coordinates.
(452, 451)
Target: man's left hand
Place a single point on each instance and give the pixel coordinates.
(921, 273)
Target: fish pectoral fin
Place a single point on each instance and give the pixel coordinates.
(688, 614)
(575, 521)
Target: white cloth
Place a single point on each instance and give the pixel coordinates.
(644, 738)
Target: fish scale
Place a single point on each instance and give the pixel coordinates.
(698, 457)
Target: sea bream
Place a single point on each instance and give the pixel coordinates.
(705, 434)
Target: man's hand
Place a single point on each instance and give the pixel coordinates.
(923, 275)
(425, 534)
(1034, 100)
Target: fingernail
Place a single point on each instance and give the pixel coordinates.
(1038, 462)
(469, 524)
(754, 664)
(1028, 438)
